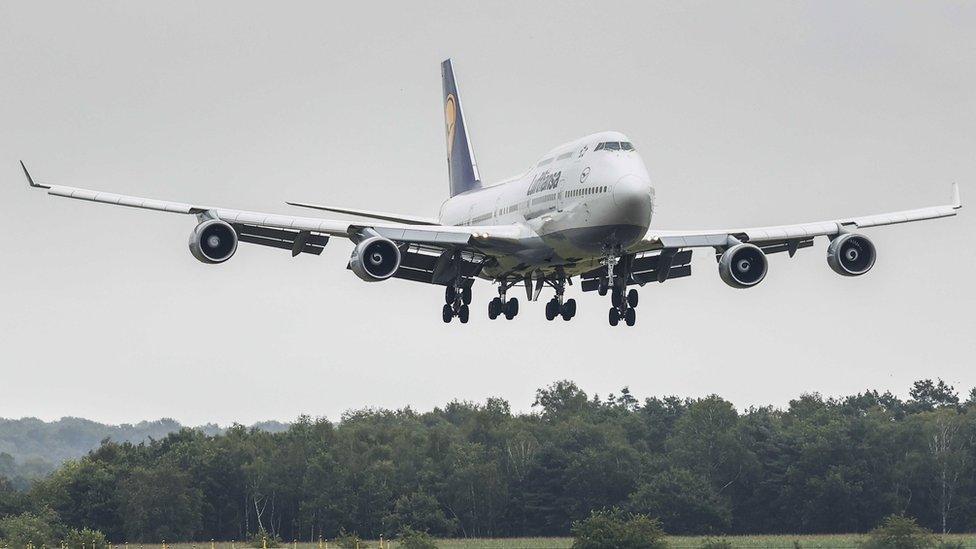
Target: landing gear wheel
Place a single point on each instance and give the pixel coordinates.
(632, 297)
(552, 309)
(603, 287)
(464, 312)
(494, 308)
(630, 316)
(616, 298)
(447, 313)
(568, 309)
(614, 316)
(466, 296)
(450, 294)
(511, 308)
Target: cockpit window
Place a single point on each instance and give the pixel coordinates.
(614, 146)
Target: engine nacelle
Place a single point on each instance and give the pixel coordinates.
(374, 259)
(213, 241)
(743, 266)
(851, 254)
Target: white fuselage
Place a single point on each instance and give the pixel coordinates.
(579, 203)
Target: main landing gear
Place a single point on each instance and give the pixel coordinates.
(457, 299)
(500, 306)
(557, 306)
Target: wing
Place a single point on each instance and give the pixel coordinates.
(778, 238)
(398, 218)
(309, 234)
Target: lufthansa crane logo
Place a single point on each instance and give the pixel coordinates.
(586, 172)
(450, 119)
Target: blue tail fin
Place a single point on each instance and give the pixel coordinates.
(461, 165)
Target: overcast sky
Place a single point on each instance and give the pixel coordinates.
(745, 113)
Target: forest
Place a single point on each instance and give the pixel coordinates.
(700, 466)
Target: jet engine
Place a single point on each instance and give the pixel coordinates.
(851, 254)
(213, 241)
(742, 266)
(374, 259)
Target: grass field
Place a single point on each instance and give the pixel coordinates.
(839, 541)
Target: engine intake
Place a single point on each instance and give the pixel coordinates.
(374, 259)
(743, 266)
(851, 254)
(213, 241)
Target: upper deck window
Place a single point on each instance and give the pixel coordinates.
(615, 146)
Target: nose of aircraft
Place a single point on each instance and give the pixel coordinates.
(632, 198)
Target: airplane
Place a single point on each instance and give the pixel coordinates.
(582, 211)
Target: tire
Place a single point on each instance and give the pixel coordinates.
(464, 313)
(494, 308)
(450, 294)
(632, 297)
(511, 308)
(552, 309)
(569, 309)
(630, 316)
(447, 313)
(602, 288)
(466, 296)
(614, 316)
(616, 298)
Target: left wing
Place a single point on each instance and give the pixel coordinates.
(778, 238)
(307, 234)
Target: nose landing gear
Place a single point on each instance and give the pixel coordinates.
(622, 301)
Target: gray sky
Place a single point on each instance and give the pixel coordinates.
(745, 114)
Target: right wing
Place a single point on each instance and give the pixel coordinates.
(397, 218)
(309, 235)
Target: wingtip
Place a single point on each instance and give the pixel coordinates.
(956, 201)
(30, 180)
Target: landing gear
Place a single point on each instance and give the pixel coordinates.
(557, 306)
(457, 298)
(622, 301)
(500, 306)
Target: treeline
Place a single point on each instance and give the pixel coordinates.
(821, 465)
(32, 448)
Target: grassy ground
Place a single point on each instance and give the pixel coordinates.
(840, 541)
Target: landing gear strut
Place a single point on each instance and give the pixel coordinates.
(500, 306)
(457, 297)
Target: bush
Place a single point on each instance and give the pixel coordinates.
(86, 537)
(19, 530)
(413, 539)
(716, 544)
(349, 541)
(951, 545)
(897, 532)
(614, 529)
(258, 540)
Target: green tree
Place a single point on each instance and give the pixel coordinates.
(39, 529)
(615, 529)
(684, 503)
(159, 503)
(897, 532)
